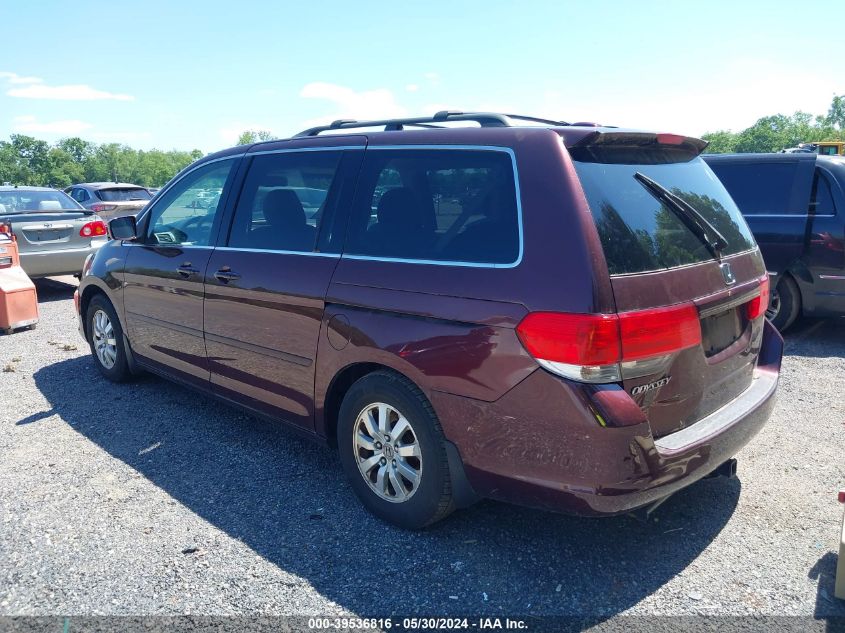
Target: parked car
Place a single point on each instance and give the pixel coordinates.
(830, 148)
(110, 199)
(566, 317)
(795, 206)
(55, 234)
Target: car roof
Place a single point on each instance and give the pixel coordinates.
(770, 157)
(570, 134)
(25, 188)
(109, 185)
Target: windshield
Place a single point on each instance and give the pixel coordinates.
(28, 201)
(640, 233)
(123, 194)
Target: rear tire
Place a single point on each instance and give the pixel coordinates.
(785, 305)
(392, 449)
(105, 338)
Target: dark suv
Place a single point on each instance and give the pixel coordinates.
(562, 316)
(795, 205)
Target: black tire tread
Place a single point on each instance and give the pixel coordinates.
(446, 503)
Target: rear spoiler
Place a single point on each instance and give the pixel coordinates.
(636, 148)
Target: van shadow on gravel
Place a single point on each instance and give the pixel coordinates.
(49, 289)
(286, 498)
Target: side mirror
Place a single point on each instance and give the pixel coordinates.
(123, 228)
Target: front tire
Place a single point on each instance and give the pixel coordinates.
(785, 305)
(105, 338)
(392, 450)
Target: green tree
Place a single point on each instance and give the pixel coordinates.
(248, 137)
(836, 114)
(721, 142)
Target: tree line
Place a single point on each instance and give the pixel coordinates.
(779, 131)
(25, 160)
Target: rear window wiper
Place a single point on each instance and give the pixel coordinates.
(689, 215)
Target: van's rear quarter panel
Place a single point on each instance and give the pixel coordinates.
(452, 328)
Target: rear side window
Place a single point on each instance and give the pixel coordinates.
(436, 205)
(759, 188)
(283, 200)
(639, 233)
(821, 202)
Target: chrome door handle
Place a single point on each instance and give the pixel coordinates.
(224, 275)
(186, 270)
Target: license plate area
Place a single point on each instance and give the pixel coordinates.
(721, 330)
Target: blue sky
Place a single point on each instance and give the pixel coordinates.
(192, 74)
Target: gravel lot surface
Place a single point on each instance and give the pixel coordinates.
(150, 499)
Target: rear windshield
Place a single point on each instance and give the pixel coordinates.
(639, 233)
(123, 194)
(23, 201)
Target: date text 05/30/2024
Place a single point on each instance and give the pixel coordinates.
(422, 624)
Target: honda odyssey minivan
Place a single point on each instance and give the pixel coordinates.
(562, 316)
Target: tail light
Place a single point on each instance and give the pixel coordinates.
(600, 347)
(758, 305)
(97, 208)
(93, 229)
(6, 230)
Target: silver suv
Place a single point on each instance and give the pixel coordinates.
(110, 199)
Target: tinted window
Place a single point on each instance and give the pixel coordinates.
(22, 200)
(758, 188)
(639, 233)
(182, 216)
(282, 201)
(123, 194)
(821, 202)
(436, 205)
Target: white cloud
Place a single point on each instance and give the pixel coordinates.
(349, 104)
(412, 87)
(31, 125)
(747, 90)
(14, 78)
(433, 78)
(71, 92)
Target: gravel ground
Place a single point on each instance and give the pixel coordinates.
(149, 499)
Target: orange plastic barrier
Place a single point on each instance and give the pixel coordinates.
(18, 299)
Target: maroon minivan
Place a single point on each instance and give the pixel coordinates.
(562, 316)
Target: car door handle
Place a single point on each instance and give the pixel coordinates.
(186, 270)
(224, 275)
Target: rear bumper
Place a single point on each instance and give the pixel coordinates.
(58, 262)
(541, 445)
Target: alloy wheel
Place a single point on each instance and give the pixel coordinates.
(387, 452)
(774, 305)
(105, 344)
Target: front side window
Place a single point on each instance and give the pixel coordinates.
(283, 201)
(436, 205)
(185, 214)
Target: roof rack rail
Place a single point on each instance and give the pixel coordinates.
(484, 119)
